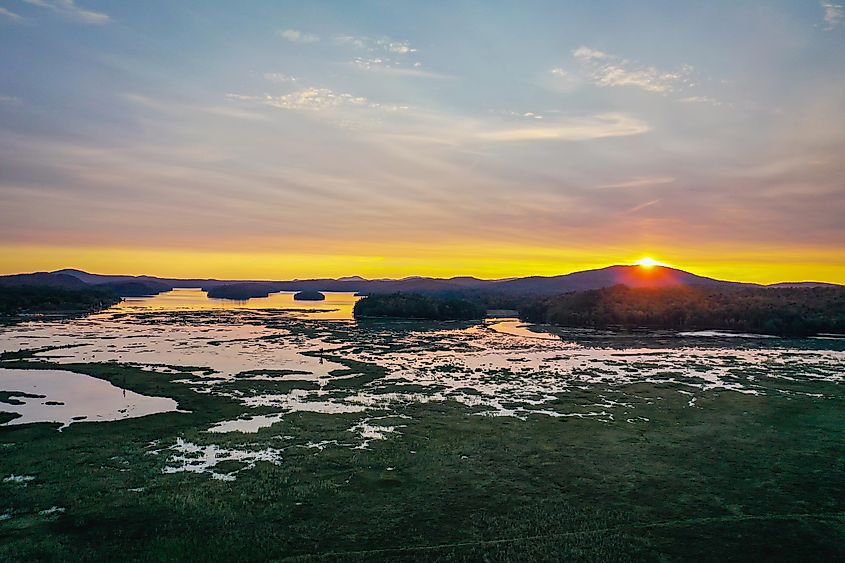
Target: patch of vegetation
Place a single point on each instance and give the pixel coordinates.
(270, 373)
(777, 311)
(9, 397)
(134, 288)
(415, 306)
(309, 295)
(33, 299)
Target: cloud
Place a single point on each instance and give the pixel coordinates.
(174, 108)
(311, 99)
(575, 129)
(316, 99)
(69, 9)
(10, 100)
(392, 67)
(700, 100)
(640, 182)
(279, 77)
(640, 207)
(384, 44)
(10, 14)
(833, 15)
(386, 55)
(605, 70)
(586, 54)
(296, 36)
(394, 122)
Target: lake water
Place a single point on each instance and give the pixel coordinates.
(500, 367)
(336, 306)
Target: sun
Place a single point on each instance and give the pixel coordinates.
(647, 262)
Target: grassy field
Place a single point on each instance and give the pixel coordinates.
(738, 477)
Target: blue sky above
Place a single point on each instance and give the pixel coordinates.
(295, 127)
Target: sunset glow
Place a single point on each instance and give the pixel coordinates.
(648, 262)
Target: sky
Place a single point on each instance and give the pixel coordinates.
(275, 140)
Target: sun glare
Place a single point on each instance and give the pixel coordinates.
(647, 262)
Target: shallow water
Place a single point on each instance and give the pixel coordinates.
(66, 397)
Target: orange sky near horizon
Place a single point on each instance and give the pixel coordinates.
(494, 261)
(330, 139)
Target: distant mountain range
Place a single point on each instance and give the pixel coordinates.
(632, 276)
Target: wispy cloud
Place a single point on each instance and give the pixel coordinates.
(316, 99)
(384, 44)
(69, 9)
(279, 77)
(833, 15)
(10, 100)
(700, 100)
(574, 129)
(429, 126)
(297, 36)
(640, 207)
(392, 67)
(174, 108)
(640, 182)
(386, 55)
(310, 99)
(606, 70)
(10, 15)
(586, 54)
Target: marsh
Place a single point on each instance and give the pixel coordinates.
(294, 431)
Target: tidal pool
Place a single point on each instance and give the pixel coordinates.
(66, 397)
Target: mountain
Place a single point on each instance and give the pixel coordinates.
(97, 279)
(803, 284)
(42, 279)
(631, 276)
(352, 279)
(123, 286)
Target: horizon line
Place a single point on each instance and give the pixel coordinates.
(496, 279)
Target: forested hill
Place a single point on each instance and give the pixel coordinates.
(31, 299)
(784, 311)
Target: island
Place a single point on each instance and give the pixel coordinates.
(416, 306)
(309, 295)
(241, 291)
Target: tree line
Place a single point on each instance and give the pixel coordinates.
(777, 311)
(34, 299)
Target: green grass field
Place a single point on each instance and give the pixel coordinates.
(738, 477)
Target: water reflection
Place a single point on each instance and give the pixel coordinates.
(67, 397)
(337, 305)
(516, 327)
